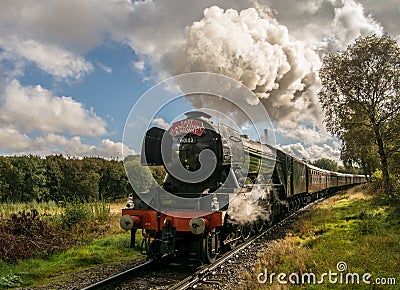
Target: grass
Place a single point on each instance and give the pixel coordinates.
(350, 227)
(36, 272)
(108, 245)
(6, 209)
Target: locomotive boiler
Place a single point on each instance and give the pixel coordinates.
(219, 188)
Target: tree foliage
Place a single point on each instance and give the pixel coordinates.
(326, 163)
(360, 95)
(60, 179)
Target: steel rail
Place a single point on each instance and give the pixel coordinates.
(200, 275)
(205, 270)
(118, 277)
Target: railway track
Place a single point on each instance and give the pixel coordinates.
(162, 274)
(209, 275)
(118, 278)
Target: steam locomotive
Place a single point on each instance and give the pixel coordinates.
(210, 202)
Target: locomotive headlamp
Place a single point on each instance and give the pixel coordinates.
(130, 203)
(198, 225)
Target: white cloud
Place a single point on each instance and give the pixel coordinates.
(312, 152)
(110, 148)
(305, 134)
(138, 65)
(74, 146)
(50, 58)
(35, 108)
(160, 122)
(107, 69)
(275, 54)
(53, 143)
(350, 22)
(296, 150)
(13, 141)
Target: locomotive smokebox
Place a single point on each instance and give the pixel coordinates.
(198, 225)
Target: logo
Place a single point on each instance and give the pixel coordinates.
(332, 277)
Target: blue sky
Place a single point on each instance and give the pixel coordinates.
(71, 71)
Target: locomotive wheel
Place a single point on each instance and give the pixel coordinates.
(290, 207)
(245, 231)
(233, 236)
(259, 225)
(297, 203)
(271, 218)
(209, 247)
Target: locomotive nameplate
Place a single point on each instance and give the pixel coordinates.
(188, 140)
(186, 126)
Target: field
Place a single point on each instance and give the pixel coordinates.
(94, 238)
(351, 227)
(351, 230)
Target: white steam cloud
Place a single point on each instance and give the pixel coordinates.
(241, 211)
(250, 46)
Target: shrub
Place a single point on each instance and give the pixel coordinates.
(101, 211)
(377, 180)
(27, 234)
(369, 224)
(76, 213)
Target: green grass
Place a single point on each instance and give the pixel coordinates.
(99, 237)
(349, 227)
(36, 272)
(6, 209)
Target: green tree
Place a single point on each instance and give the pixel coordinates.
(54, 164)
(365, 156)
(326, 163)
(360, 92)
(5, 187)
(113, 182)
(25, 178)
(140, 175)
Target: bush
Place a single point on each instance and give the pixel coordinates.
(369, 224)
(76, 213)
(27, 234)
(101, 211)
(377, 180)
(389, 197)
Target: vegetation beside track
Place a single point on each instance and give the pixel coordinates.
(352, 227)
(49, 242)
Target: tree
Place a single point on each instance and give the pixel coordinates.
(326, 163)
(365, 156)
(360, 92)
(140, 175)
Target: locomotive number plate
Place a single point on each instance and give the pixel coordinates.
(188, 140)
